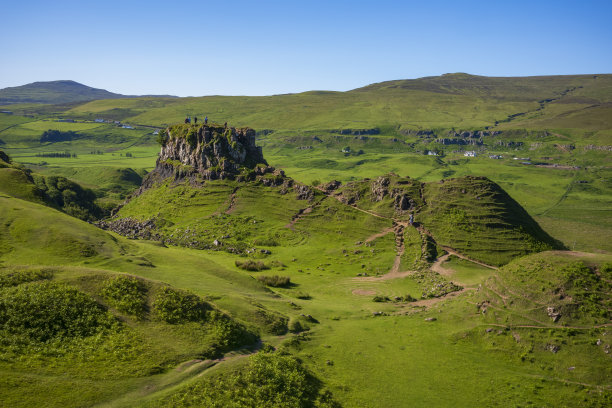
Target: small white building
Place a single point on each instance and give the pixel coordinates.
(470, 153)
(99, 120)
(431, 153)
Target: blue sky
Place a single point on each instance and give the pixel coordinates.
(269, 47)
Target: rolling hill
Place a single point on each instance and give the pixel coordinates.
(56, 92)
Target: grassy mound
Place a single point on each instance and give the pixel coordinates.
(478, 218)
(553, 289)
(267, 380)
(174, 306)
(44, 311)
(126, 293)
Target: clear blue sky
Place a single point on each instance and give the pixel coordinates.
(268, 47)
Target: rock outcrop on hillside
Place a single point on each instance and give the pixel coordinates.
(207, 152)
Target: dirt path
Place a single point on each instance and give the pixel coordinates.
(379, 234)
(301, 213)
(458, 255)
(394, 272)
(297, 217)
(232, 202)
(437, 266)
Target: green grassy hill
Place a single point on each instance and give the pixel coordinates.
(455, 100)
(54, 92)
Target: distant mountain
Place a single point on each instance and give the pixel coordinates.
(56, 92)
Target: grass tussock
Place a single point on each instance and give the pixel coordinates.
(275, 281)
(251, 265)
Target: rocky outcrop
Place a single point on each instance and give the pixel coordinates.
(303, 192)
(357, 132)
(451, 134)
(463, 142)
(331, 186)
(201, 152)
(131, 228)
(379, 188)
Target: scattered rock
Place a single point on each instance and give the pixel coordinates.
(430, 319)
(553, 314)
(553, 348)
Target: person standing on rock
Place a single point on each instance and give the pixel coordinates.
(205, 120)
(195, 120)
(411, 219)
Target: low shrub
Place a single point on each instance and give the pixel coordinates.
(41, 311)
(295, 326)
(228, 333)
(251, 265)
(273, 323)
(275, 281)
(380, 298)
(177, 306)
(17, 277)
(127, 294)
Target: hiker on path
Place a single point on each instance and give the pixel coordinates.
(411, 219)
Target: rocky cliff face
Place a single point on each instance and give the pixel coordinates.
(207, 153)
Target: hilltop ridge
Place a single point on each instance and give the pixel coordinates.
(58, 92)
